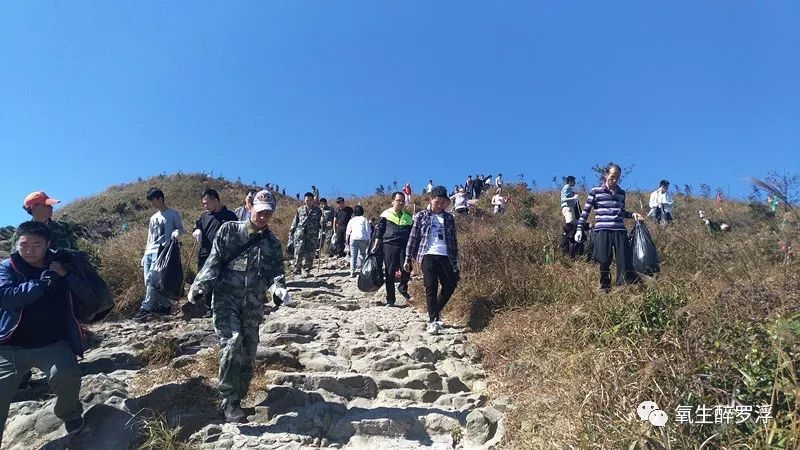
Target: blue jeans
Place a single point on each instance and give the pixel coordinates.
(358, 253)
(153, 300)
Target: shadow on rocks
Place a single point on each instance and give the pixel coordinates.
(312, 284)
(480, 314)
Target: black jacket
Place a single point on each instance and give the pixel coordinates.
(393, 228)
(209, 224)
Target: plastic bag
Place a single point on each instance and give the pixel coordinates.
(94, 302)
(167, 272)
(370, 279)
(645, 255)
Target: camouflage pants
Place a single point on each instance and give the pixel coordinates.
(325, 240)
(236, 322)
(305, 250)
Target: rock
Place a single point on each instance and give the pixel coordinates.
(106, 360)
(423, 354)
(290, 327)
(371, 327)
(482, 424)
(439, 423)
(105, 427)
(386, 363)
(324, 363)
(460, 401)
(285, 338)
(183, 361)
(102, 389)
(281, 399)
(455, 385)
(277, 358)
(344, 385)
(415, 395)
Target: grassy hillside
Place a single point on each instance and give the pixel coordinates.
(720, 325)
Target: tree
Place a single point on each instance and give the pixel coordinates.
(705, 190)
(787, 185)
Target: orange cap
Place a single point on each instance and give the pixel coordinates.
(38, 198)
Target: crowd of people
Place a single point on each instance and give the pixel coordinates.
(240, 261)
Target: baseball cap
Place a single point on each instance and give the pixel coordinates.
(264, 201)
(38, 198)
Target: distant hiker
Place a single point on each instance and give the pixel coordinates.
(283, 192)
(713, 225)
(326, 227)
(488, 181)
(243, 212)
(432, 243)
(610, 235)
(429, 187)
(499, 202)
(569, 209)
(468, 186)
(391, 238)
(661, 204)
(720, 200)
(40, 206)
(38, 326)
(477, 186)
(208, 224)
(315, 193)
(499, 180)
(357, 237)
(407, 192)
(340, 219)
(164, 225)
(297, 195)
(246, 262)
(305, 234)
(460, 202)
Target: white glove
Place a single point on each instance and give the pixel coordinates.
(194, 293)
(284, 296)
(196, 234)
(579, 235)
(141, 263)
(176, 233)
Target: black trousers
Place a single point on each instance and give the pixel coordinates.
(340, 237)
(437, 270)
(568, 239)
(610, 245)
(393, 256)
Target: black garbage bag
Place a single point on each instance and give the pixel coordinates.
(167, 272)
(93, 301)
(645, 255)
(371, 277)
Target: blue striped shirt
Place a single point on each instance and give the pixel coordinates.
(609, 209)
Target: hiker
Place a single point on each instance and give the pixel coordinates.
(610, 235)
(569, 209)
(40, 206)
(407, 192)
(38, 327)
(460, 202)
(246, 262)
(432, 243)
(468, 186)
(499, 202)
(661, 204)
(305, 234)
(487, 181)
(357, 237)
(429, 187)
(391, 238)
(340, 219)
(326, 225)
(499, 180)
(243, 212)
(208, 224)
(164, 224)
(477, 186)
(315, 193)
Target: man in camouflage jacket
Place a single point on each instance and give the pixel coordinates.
(305, 234)
(239, 286)
(326, 225)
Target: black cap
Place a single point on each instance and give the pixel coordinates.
(339, 199)
(439, 191)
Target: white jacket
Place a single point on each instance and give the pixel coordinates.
(358, 229)
(661, 199)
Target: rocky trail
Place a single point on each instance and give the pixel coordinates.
(335, 370)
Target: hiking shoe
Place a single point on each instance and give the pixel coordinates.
(439, 323)
(233, 412)
(390, 305)
(74, 426)
(142, 315)
(433, 328)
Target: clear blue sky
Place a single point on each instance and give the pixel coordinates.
(348, 95)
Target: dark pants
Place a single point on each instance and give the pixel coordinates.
(437, 270)
(610, 245)
(57, 362)
(340, 238)
(393, 256)
(660, 216)
(568, 239)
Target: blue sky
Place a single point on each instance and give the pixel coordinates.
(348, 95)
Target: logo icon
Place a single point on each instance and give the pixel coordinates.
(649, 411)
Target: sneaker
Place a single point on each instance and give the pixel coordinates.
(74, 426)
(390, 305)
(307, 274)
(233, 412)
(439, 323)
(142, 315)
(433, 328)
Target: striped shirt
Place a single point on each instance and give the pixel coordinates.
(609, 209)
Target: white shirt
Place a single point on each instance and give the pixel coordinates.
(358, 229)
(499, 200)
(460, 201)
(498, 182)
(429, 188)
(436, 242)
(662, 199)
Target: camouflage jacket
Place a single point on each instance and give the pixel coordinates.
(327, 218)
(61, 236)
(251, 274)
(307, 221)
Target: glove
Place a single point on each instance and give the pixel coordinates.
(407, 267)
(195, 295)
(176, 233)
(197, 234)
(579, 235)
(51, 279)
(141, 263)
(283, 297)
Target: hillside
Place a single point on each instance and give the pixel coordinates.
(720, 325)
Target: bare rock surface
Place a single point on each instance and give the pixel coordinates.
(337, 369)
